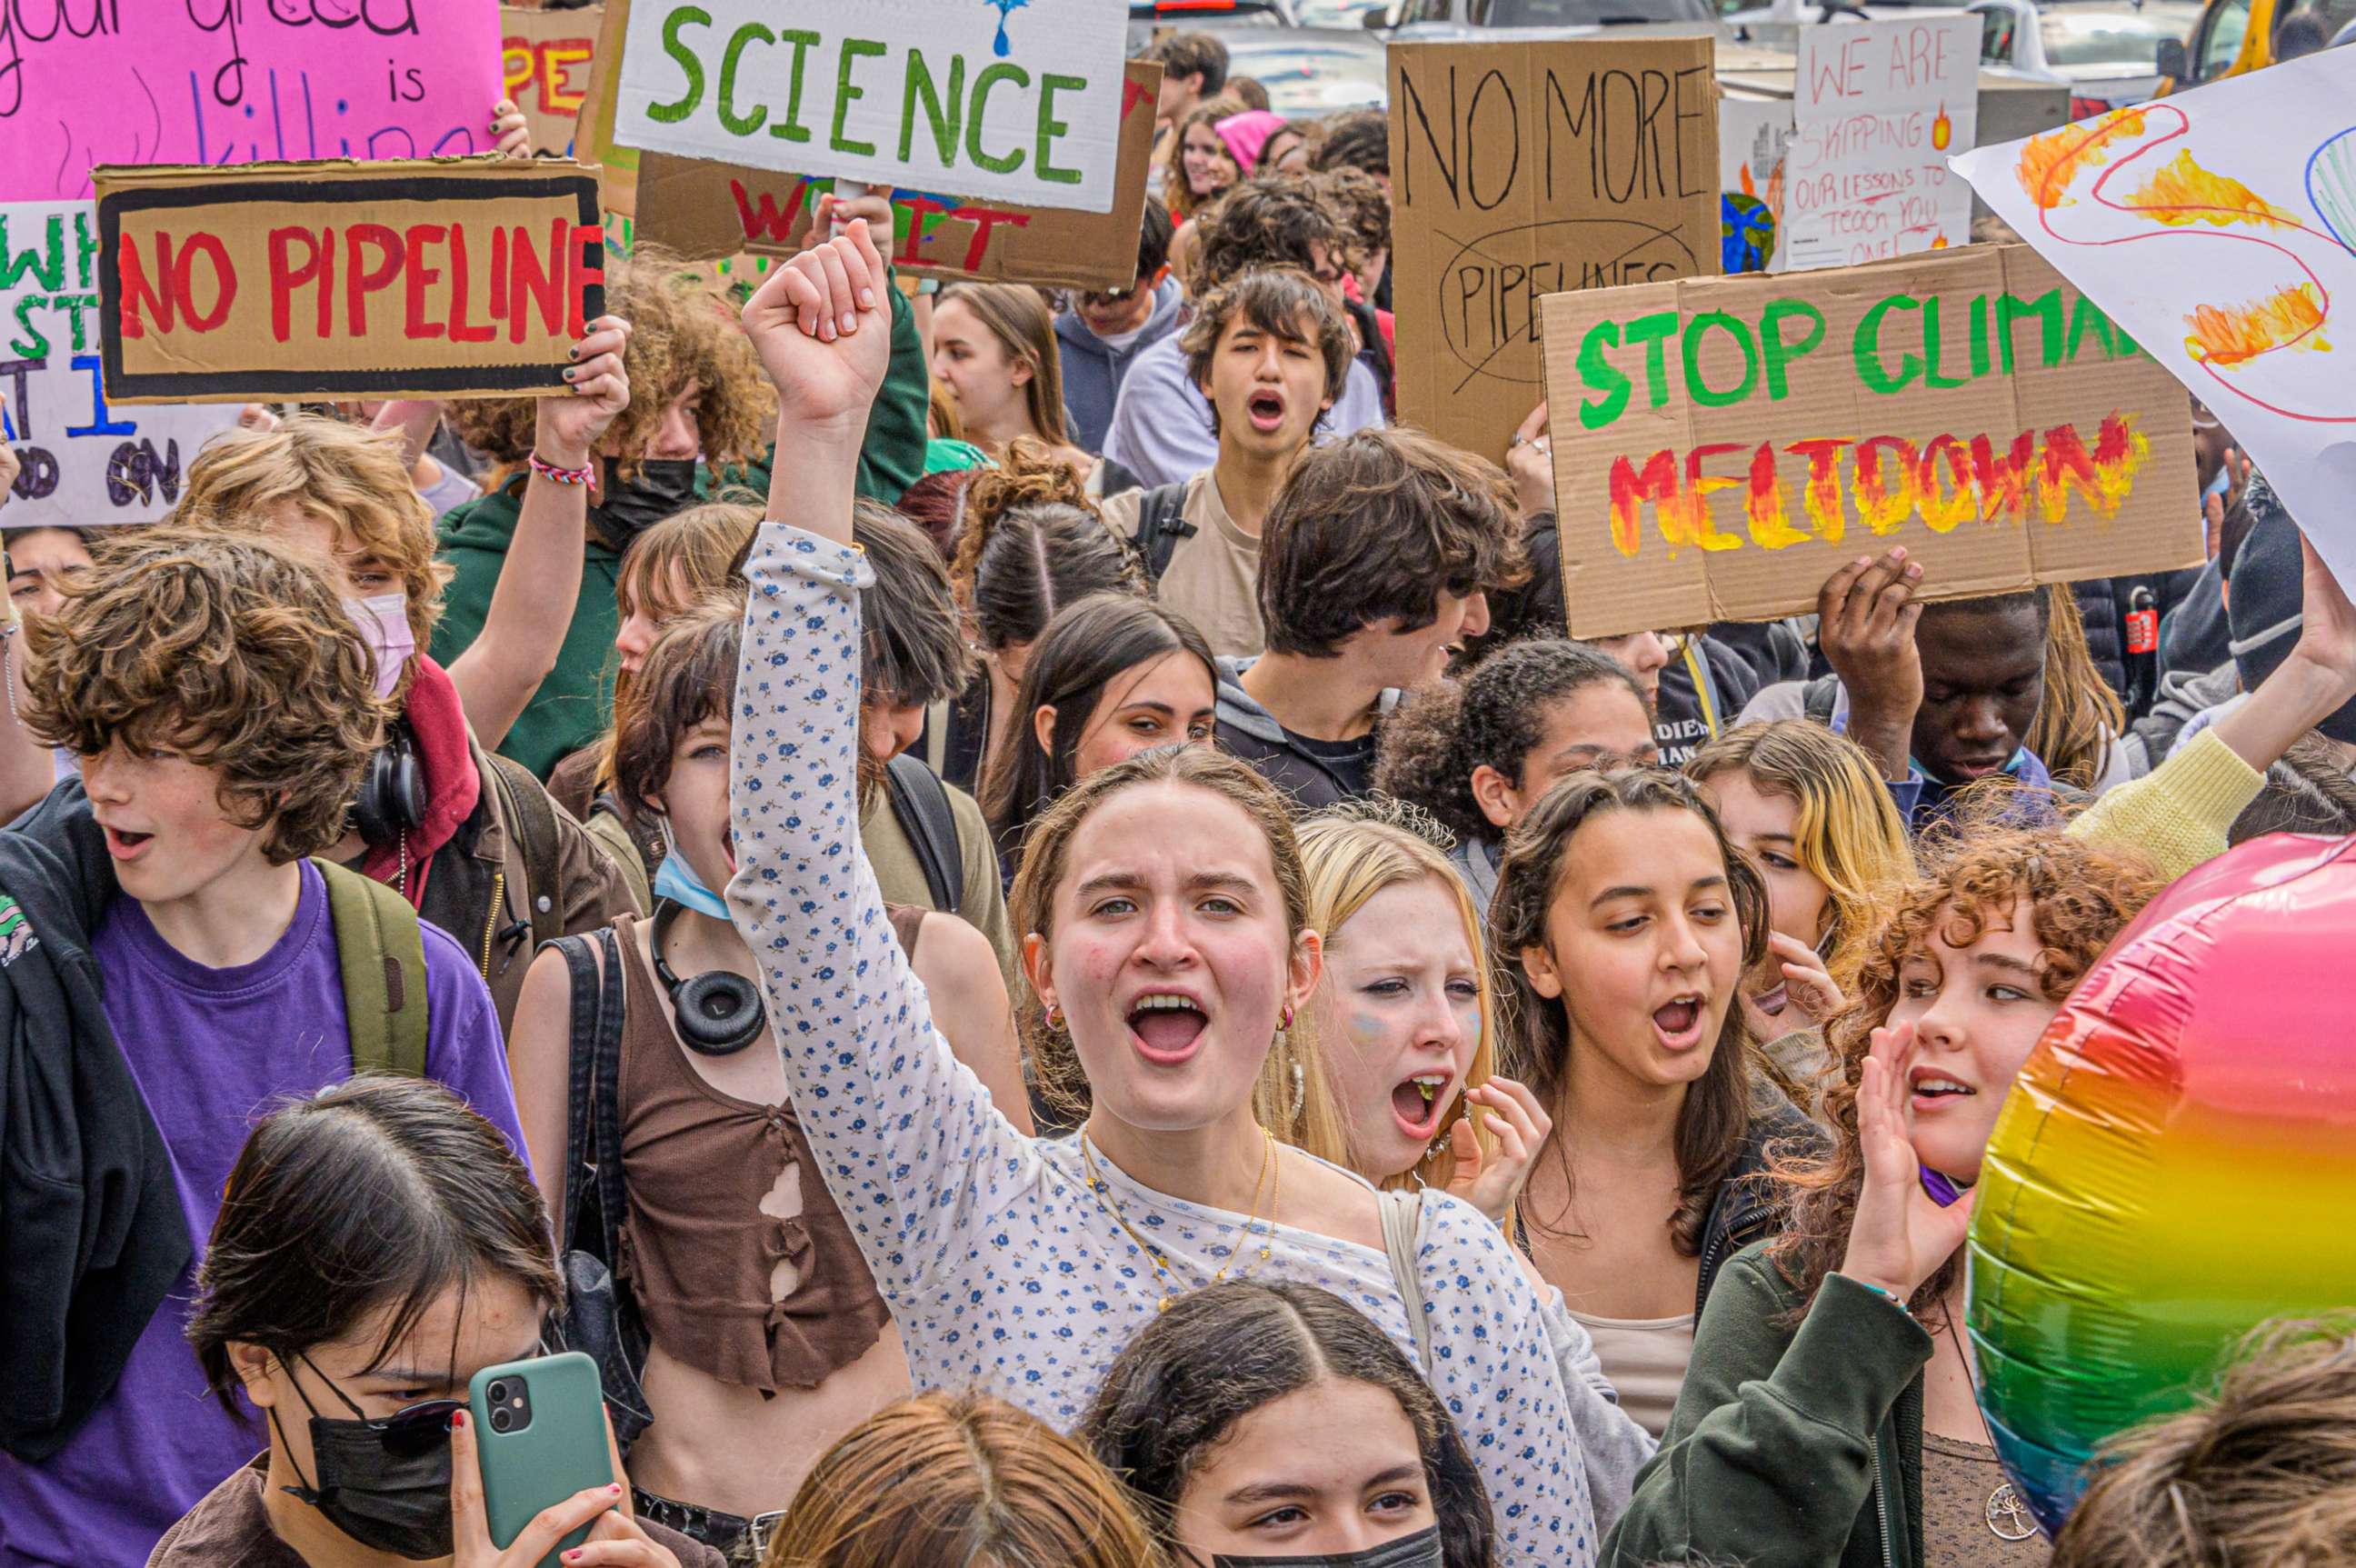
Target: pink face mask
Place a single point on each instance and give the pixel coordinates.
(383, 622)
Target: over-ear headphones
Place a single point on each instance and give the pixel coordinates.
(720, 1013)
(393, 798)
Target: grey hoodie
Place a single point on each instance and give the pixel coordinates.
(1250, 731)
(1093, 368)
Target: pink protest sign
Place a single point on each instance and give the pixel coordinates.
(84, 83)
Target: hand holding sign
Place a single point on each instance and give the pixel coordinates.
(9, 469)
(570, 427)
(510, 130)
(1865, 624)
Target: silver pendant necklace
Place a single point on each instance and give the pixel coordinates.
(2007, 1517)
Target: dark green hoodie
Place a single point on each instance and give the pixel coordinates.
(575, 705)
(1790, 1447)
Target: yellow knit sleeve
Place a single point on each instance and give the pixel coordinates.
(2178, 815)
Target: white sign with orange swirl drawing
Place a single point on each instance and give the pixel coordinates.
(2219, 226)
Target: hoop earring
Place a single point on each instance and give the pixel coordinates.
(1054, 1017)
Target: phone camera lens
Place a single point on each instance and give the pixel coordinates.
(498, 1392)
(500, 1419)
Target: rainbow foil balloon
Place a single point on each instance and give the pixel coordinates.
(2175, 1163)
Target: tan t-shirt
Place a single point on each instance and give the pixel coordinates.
(1646, 1359)
(1214, 576)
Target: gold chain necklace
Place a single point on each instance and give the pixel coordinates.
(1270, 1172)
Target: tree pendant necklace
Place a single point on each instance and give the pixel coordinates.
(2008, 1517)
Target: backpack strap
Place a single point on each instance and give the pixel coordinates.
(920, 803)
(532, 817)
(380, 956)
(1161, 526)
(593, 1132)
(1402, 1227)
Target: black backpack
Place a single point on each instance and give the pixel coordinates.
(920, 804)
(1161, 527)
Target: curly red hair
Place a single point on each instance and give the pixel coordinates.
(2079, 896)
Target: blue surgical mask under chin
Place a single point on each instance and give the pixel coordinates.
(2220, 485)
(677, 881)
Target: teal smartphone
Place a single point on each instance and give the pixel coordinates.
(540, 1435)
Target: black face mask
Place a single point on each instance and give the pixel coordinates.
(1420, 1549)
(662, 487)
(386, 1483)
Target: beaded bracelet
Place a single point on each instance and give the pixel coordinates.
(550, 472)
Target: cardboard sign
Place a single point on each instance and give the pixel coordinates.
(2220, 227)
(706, 211)
(1015, 101)
(375, 280)
(592, 134)
(1877, 108)
(1722, 445)
(85, 464)
(84, 83)
(545, 67)
(1521, 170)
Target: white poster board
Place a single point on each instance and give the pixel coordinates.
(1755, 167)
(1878, 108)
(2219, 227)
(1015, 101)
(86, 464)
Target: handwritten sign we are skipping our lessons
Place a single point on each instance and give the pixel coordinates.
(392, 279)
(1721, 445)
(84, 463)
(1876, 109)
(707, 211)
(1014, 100)
(1521, 170)
(84, 83)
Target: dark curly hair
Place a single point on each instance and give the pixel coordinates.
(1358, 139)
(1715, 1118)
(1376, 525)
(2079, 898)
(682, 333)
(688, 676)
(1494, 717)
(1270, 220)
(1178, 1389)
(228, 651)
(1033, 544)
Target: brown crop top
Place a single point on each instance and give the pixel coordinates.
(698, 1249)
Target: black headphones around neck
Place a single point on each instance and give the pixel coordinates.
(720, 1013)
(393, 798)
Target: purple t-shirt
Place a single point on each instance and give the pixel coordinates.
(213, 1049)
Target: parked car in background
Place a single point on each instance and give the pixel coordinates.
(1147, 17)
(1312, 71)
(2236, 36)
(1337, 13)
(1412, 19)
(2106, 51)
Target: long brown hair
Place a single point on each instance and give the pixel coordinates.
(1716, 1116)
(2079, 718)
(1020, 320)
(2079, 898)
(1048, 857)
(965, 1480)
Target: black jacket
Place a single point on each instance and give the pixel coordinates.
(92, 1235)
(2101, 605)
(1745, 1208)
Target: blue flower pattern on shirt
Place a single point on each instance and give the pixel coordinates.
(1003, 1271)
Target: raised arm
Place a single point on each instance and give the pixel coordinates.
(906, 1135)
(540, 582)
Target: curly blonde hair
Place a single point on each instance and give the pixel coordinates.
(231, 653)
(681, 334)
(349, 478)
(2078, 898)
